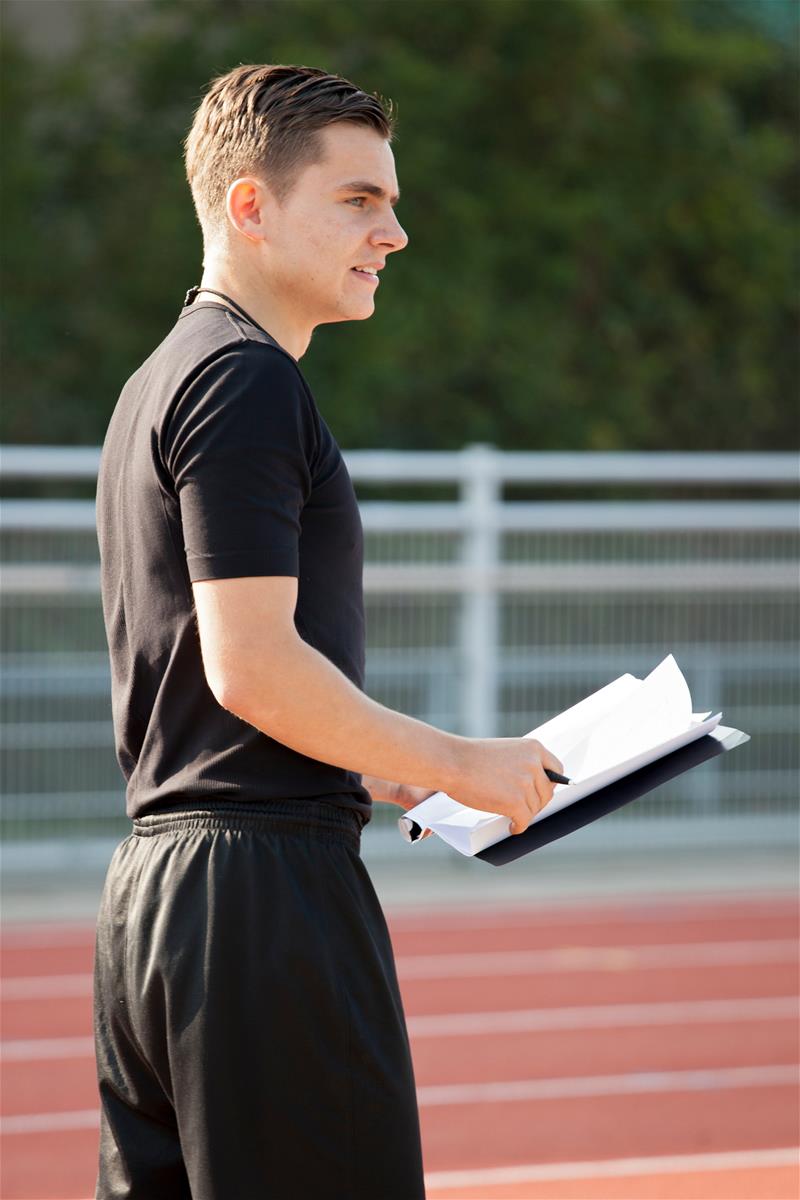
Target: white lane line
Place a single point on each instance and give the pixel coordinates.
(583, 911)
(493, 1093)
(636, 1083)
(731, 1160)
(48, 987)
(508, 962)
(38, 937)
(87, 1118)
(589, 912)
(32, 1049)
(532, 1020)
(598, 958)
(604, 1016)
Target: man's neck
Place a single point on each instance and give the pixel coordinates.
(258, 305)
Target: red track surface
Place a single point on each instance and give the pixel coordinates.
(614, 1093)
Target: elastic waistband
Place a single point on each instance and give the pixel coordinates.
(313, 818)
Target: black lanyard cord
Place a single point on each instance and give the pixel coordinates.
(192, 294)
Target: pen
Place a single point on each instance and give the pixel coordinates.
(554, 776)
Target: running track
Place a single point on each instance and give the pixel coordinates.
(644, 1050)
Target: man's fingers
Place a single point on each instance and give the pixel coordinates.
(548, 759)
(544, 787)
(554, 764)
(538, 789)
(540, 792)
(524, 816)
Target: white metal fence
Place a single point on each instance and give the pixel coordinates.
(485, 615)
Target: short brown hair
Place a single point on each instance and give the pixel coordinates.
(265, 120)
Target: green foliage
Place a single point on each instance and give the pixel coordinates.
(599, 196)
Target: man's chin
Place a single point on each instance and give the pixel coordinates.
(352, 313)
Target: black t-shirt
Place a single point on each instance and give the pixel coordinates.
(217, 464)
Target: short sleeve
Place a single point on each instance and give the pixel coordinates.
(239, 445)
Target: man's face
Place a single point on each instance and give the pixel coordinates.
(328, 227)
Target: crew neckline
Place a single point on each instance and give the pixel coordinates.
(188, 309)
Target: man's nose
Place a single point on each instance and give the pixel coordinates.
(393, 236)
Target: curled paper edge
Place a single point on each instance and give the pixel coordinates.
(411, 831)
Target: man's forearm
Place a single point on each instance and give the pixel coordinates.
(383, 791)
(297, 696)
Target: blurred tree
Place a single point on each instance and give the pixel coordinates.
(600, 197)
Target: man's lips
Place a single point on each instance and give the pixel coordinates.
(368, 278)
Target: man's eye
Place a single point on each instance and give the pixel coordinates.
(357, 200)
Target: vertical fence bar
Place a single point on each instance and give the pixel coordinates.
(480, 495)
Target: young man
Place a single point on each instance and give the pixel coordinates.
(250, 1035)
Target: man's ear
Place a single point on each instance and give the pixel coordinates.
(246, 205)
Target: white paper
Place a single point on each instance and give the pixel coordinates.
(613, 732)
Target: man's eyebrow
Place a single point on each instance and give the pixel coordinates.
(372, 189)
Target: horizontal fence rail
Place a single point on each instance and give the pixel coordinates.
(437, 466)
(411, 516)
(485, 615)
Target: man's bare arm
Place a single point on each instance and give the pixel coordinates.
(259, 668)
(405, 795)
(382, 790)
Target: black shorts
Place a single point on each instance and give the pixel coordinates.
(250, 1037)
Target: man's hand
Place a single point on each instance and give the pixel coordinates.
(402, 794)
(506, 776)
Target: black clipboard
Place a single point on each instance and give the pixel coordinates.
(608, 799)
